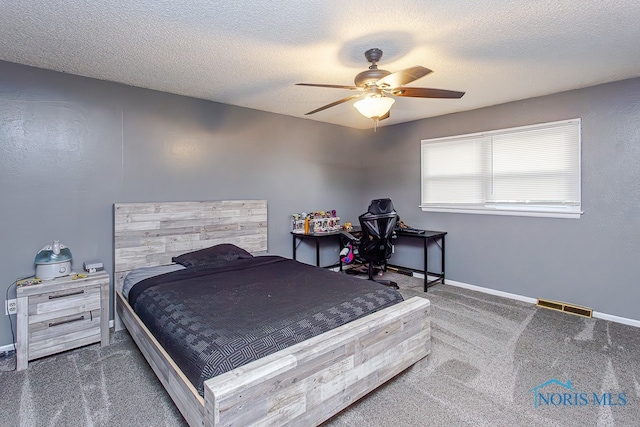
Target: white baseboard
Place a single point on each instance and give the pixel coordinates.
(596, 314)
(8, 347)
(491, 291)
(617, 319)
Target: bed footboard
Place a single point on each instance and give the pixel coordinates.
(309, 382)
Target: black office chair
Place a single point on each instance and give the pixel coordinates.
(375, 244)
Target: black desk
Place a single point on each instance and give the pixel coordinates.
(317, 237)
(427, 236)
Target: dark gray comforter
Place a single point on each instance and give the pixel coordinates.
(212, 320)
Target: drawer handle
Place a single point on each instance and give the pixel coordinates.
(77, 319)
(66, 295)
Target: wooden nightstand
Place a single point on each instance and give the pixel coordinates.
(61, 314)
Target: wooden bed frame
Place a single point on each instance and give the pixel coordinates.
(304, 384)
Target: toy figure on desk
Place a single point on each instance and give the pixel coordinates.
(315, 222)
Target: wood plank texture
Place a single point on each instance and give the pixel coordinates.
(149, 234)
(61, 314)
(182, 392)
(302, 385)
(309, 382)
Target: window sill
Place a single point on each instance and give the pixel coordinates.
(519, 212)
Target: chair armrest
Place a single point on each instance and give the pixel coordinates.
(349, 236)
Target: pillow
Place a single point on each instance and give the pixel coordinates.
(215, 256)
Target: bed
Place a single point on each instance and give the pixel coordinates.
(303, 384)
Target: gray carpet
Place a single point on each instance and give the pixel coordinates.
(488, 354)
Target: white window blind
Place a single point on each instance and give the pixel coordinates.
(531, 170)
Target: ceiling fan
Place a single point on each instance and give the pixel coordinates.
(374, 84)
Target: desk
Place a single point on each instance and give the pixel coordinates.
(428, 236)
(317, 237)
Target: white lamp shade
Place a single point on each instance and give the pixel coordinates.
(374, 106)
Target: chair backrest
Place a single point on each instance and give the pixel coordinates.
(377, 233)
(381, 206)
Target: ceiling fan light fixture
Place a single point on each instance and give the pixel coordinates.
(374, 82)
(374, 106)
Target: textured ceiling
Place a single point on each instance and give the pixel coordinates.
(251, 53)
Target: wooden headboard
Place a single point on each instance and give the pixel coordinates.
(150, 234)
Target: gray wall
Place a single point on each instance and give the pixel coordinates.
(72, 146)
(593, 261)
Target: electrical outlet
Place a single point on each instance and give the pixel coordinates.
(11, 306)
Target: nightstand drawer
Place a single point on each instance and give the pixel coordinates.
(53, 305)
(62, 320)
(63, 333)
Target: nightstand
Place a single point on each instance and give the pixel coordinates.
(61, 314)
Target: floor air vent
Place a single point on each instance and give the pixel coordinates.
(567, 308)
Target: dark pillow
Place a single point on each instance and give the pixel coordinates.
(215, 256)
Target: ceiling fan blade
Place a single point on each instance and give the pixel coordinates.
(423, 92)
(333, 104)
(403, 77)
(331, 86)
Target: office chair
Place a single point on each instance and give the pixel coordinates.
(375, 244)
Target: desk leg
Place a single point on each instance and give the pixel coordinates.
(317, 252)
(426, 264)
(294, 247)
(442, 259)
(339, 250)
(440, 278)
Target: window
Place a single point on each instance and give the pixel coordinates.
(531, 170)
